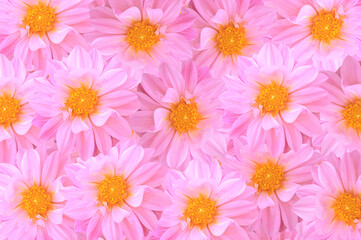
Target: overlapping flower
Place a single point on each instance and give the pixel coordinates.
(180, 120)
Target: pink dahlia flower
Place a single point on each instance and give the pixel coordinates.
(231, 29)
(325, 31)
(31, 199)
(275, 101)
(342, 117)
(115, 196)
(88, 103)
(334, 201)
(143, 33)
(276, 180)
(179, 113)
(34, 30)
(206, 205)
(16, 130)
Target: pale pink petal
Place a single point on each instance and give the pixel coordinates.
(219, 226)
(118, 214)
(264, 201)
(286, 192)
(136, 197)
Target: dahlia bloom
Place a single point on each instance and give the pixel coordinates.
(31, 199)
(34, 30)
(206, 205)
(16, 130)
(143, 34)
(88, 103)
(334, 201)
(231, 29)
(114, 195)
(179, 112)
(325, 31)
(342, 117)
(275, 101)
(276, 180)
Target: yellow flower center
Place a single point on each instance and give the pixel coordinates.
(82, 101)
(143, 36)
(272, 97)
(352, 115)
(326, 26)
(347, 208)
(200, 211)
(9, 110)
(268, 177)
(231, 40)
(112, 191)
(185, 116)
(40, 18)
(36, 201)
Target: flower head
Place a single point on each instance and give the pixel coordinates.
(31, 199)
(146, 34)
(88, 102)
(205, 204)
(119, 192)
(16, 130)
(275, 101)
(333, 201)
(183, 110)
(324, 31)
(37, 30)
(231, 30)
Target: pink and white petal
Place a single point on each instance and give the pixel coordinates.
(178, 151)
(94, 227)
(22, 128)
(155, 199)
(329, 178)
(55, 216)
(30, 166)
(78, 125)
(161, 118)
(350, 72)
(117, 127)
(130, 15)
(118, 214)
(196, 233)
(36, 42)
(348, 173)
(305, 15)
(57, 36)
(79, 58)
(265, 201)
(84, 144)
(269, 55)
(305, 208)
(269, 122)
(207, 36)
(287, 191)
(221, 17)
(292, 112)
(110, 228)
(308, 124)
(136, 196)
(4, 134)
(219, 226)
(101, 115)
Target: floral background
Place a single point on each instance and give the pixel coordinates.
(180, 120)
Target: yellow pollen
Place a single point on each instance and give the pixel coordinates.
(272, 97)
(347, 208)
(36, 201)
(268, 177)
(185, 116)
(200, 211)
(9, 110)
(352, 115)
(40, 18)
(231, 40)
(326, 26)
(143, 36)
(82, 101)
(112, 191)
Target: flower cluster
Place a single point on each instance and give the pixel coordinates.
(180, 119)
